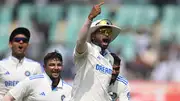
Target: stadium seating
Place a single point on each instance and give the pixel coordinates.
(5, 21)
(135, 15)
(126, 15)
(76, 17)
(51, 13)
(25, 13)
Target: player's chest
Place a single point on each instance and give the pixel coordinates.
(46, 94)
(113, 92)
(10, 76)
(101, 64)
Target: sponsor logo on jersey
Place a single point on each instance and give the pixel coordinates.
(103, 69)
(11, 83)
(27, 73)
(99, 57)
(7, 73)
(43, 94)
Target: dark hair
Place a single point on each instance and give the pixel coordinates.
(117, 60)
(20, 30)
(52, 55)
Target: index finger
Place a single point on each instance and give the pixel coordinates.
(101, 3)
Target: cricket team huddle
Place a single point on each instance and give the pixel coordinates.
(97, 76)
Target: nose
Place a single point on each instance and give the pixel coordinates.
(114, 72)
(20, 41)
(56, 67)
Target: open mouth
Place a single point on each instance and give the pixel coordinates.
(55, 74)
(20, 47)
(105, 41)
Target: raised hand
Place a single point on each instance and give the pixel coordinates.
(96, 10)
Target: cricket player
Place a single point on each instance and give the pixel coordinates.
(43, 87)
(92, 60)
(17, 67)
(119, 89)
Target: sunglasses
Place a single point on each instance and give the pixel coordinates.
(105, 31)
(104, 22)
(24, 40)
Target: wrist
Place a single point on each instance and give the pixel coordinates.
(90, 17)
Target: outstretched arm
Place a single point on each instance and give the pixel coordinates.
(81, 44)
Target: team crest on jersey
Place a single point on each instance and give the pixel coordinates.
(27, 73)
(63, 97)
(113, 95)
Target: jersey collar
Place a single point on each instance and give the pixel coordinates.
(99, 49)
(107, 54)
(60, 84)
(15, 60)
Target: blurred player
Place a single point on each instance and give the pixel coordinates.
(43, 87)
(93, 61)
(16, 67)
(119, 87)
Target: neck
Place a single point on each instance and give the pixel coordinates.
(55, 82)
(102, 51)
(18, 57)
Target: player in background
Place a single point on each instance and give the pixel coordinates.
(17, 67)
(48, 86)
(119, 89)
(92, 60)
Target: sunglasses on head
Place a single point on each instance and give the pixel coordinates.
(24, 40)
(104, 22)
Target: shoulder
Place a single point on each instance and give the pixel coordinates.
(4, 60)
(32, 62)
(89, 44)
(110, 57)
(35, 77)
(4, 63)
(122, 79)
(66, 85)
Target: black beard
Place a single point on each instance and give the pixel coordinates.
(112, 81)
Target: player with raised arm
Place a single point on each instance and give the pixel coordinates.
(119, 89)
(48, 86)
(92, 60)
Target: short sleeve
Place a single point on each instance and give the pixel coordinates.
(125, 95)
(21, 90)
(38, 69)
(77, 55)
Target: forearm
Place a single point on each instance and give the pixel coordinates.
(81, 45)
(83, 36)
